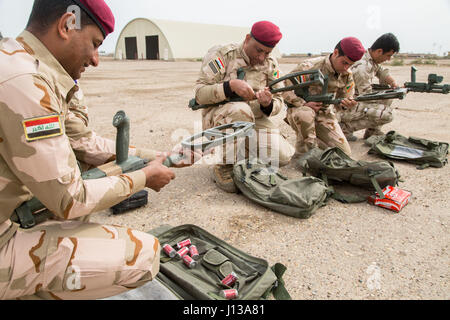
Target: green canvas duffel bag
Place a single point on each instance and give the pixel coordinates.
(217, 259)
(298, 198)
(334, 165)
(425, 153)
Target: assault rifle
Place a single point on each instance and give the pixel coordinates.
(431, 86)
(33, 211)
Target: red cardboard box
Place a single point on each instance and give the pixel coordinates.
(394, 199)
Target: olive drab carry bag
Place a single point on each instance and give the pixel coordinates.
(334, 165)
(298, 198)
(204, 279)
(425, 153)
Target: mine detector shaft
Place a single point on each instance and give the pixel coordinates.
(301, 81)
(432, 86)
(33, 211)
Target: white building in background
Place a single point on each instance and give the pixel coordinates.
(156, 39)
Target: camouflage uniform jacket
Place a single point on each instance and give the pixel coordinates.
(364, 71)
(36, 154)
(341, 84)
(221, 64)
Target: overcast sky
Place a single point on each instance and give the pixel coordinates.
(308, 26)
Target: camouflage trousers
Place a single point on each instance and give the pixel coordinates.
(319, 129)
(365, 116)
(268, 142)
(76, 260)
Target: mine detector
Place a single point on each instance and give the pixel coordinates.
(33, 212)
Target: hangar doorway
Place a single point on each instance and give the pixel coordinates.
(131, 48)
(152, 45)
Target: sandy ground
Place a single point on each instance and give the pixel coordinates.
(344, 251)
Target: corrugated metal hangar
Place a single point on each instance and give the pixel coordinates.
(155, 39)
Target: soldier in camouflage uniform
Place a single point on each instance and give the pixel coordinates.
(371, 116)
(314, 124)
(218, 83)
(40, 140)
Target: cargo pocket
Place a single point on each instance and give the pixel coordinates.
(218, 263)
(222, 266)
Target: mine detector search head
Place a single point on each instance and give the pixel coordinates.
(212, 138)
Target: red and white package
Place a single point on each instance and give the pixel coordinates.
(394, 199)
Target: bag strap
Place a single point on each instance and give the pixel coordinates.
(343, 198)
(279, 291)
(423, 166)
(375, 183)
(347, 198)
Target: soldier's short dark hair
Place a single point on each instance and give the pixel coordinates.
(46, 12)
(341, 52)
(387, 42)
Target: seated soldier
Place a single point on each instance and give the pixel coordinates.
(63, 259)
(218, 82)
(316, 125)
(371, 115)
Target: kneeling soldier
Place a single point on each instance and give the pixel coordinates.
(371, 116)
(219, 82)
(317, 125)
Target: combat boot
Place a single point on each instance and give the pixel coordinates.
(223, 177)
(351, 137)
(348, 133)
(372, 132)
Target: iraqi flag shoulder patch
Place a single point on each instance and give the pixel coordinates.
(42, 127)
(217, 65)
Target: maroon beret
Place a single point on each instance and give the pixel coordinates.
(266, 33)
(100, 13)
(352, 48)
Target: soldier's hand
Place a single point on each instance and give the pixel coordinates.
(242, 89)
(157, 175)
(316, 106)
(264, 97)
(348, 103)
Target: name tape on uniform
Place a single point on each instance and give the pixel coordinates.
(42, 127)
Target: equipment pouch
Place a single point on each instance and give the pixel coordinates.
(217, 259)
(298, 198)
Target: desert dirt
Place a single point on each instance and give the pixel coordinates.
(344, 251)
